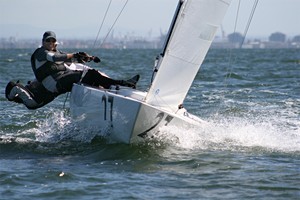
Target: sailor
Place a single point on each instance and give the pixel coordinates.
(50, 67)
(34, 95)
(55, 74)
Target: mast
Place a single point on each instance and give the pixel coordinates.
(170, 31)
(180, 3)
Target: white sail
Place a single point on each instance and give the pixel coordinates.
(192, 34)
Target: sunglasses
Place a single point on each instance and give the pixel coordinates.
(51, 40)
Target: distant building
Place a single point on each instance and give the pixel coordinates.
(277, 37)
(296, 39)
(296, 42)
(235, 38)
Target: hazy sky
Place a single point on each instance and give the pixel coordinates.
(82, 18)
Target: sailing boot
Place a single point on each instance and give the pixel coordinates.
(8, 88)
(134, 79)
(12, 96)
(130, 82)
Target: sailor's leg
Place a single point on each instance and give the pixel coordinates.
(20, 95)
(65, 81)
(94, 78)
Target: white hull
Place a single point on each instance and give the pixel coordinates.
(130, 116)
(122, 115)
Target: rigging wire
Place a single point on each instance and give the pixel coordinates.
(230, 52)
(229, 67)
(243, 38)
(111, 28)
(249, 22)
(100, 28)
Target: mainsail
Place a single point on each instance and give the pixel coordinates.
(194, 27)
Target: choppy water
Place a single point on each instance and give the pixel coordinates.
(249, 150)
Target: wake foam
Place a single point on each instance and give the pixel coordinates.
(235, 134)
(221, 133)
(58, 127)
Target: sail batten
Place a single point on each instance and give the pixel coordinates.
(188, 42)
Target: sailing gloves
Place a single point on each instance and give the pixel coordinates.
(83, 57)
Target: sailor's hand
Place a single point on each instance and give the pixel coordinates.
(83, 54)
(96, 59)
(82, 57)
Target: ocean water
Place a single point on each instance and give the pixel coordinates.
(250, 148)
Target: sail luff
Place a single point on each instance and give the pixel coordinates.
(192, 35)
(180, 3)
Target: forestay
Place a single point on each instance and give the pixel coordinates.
(192, 34)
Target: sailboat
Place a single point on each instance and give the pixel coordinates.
(127, 115)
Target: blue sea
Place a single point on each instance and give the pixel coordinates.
(250, 148)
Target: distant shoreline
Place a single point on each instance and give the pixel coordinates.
(140, 43)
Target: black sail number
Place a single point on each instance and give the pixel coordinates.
(108, 100)
(160, 117)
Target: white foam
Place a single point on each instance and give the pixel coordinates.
(268, 133)
(236, 134)
(58, 127)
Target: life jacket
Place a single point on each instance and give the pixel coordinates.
(39, 93)
(47, 69)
